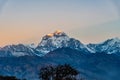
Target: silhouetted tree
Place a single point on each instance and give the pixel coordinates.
(66, 72)
(60, 72)
(47, 73)
(8, 78)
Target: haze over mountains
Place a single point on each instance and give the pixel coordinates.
(94, 61)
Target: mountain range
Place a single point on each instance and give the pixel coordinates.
(94, 61)
(59, 39)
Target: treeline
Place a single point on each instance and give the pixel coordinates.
(60, 72)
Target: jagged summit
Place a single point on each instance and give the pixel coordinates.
(58, 39)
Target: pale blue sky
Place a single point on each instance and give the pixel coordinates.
(26, 21)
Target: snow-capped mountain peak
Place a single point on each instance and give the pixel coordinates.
(16, 50)
(114, 40)
(109, 46)
(58, 39)
(54, 39)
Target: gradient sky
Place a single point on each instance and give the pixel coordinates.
(26, 21)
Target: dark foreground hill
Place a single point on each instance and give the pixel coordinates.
(99, 66)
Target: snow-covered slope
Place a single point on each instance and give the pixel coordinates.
(16, 50)
(110, 46)
(59, 39)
